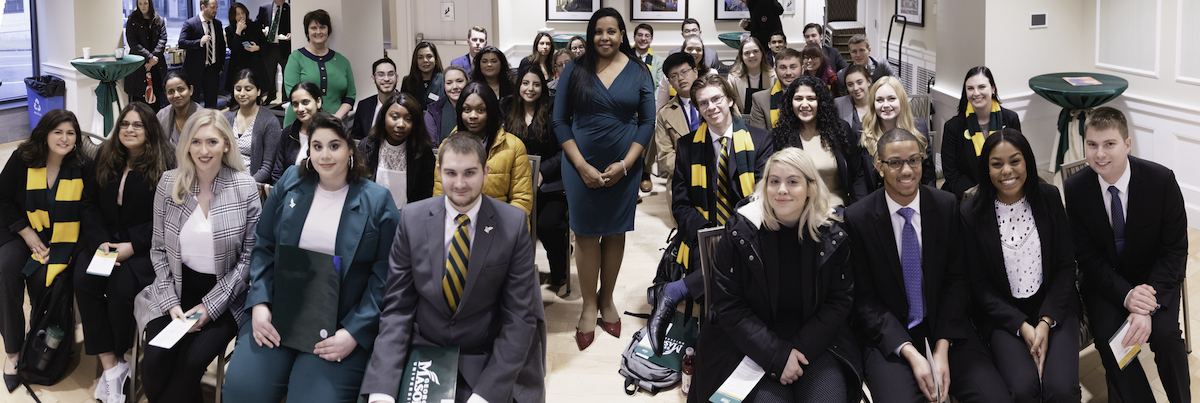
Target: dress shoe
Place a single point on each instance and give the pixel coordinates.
(660, 316)
(582, 340)
(11, 382)
(611, 328)
(647, 185)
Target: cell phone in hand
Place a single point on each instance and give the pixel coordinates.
(245, 44)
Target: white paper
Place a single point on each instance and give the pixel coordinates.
(102, 263)
(173, 332)
(1124, 355)
(740, 382)
(937, 383)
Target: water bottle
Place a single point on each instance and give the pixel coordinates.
(52, 336)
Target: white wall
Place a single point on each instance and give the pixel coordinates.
(65, 27)
(357, 34)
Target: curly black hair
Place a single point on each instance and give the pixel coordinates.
(787, 132)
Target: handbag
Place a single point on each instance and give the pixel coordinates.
(669, 268)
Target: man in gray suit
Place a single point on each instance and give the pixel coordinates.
(765, 104)
(495, 316)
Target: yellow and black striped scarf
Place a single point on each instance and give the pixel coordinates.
(974, 133)
(776, 97)
(703, 155)
(57, 226)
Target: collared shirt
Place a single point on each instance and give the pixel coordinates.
(716, 143)
(452, 225)
(1122, 191)
(686, 104)
(898, 220)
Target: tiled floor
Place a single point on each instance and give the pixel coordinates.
(591, 375)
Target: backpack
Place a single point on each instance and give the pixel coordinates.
(640, 373)
(52, 318)
(668, 268)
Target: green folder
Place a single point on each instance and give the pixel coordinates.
(431, 375)
(305, 304)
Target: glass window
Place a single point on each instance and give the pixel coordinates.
(16, 49)
(178, 11)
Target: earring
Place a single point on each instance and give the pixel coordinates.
(351, 160)
(309, 162)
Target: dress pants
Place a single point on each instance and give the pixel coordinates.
(1166, 341)
(209, 85)
(173, 375)
(1060, 371)
(973, 376)
(262, 374)
(552, 231)
(822, 381)
(276, 54)
(106, 303)
(13, 255)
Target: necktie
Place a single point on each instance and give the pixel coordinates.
(723, 188)
(209, 49)
(910, 261)
(693, 117)
(1118, 219)
(456, 263)
(274, 31)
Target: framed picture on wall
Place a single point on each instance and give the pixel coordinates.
(658, 10)
(731, 9)
(914, 10)
(571, 10)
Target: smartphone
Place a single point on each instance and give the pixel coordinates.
(245, 44)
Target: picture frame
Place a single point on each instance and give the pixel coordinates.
(658, 10)
(730, 10)
(571, 10)
(913, 10)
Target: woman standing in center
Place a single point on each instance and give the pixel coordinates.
(317, 63)
(603, 117)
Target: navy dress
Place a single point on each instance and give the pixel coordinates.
(604, 131)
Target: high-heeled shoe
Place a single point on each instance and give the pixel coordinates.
(11, 382)
(611, 328)
(582, 340)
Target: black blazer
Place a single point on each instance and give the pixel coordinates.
(989, 278)
(266, 11)
(104, 221)
(1155, 234)
(419, 172)
(959, 162)
(189, 39)
(240, 58)
(850, 166)
(146, 38)
(880, 305)
(683, 209)
(364, 117)
(289, 147)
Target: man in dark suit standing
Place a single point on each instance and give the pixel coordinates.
(276, 18)
(462, 275)
(913, 287)
(383, 74)
(814, 34)
(204, 41)
(1130, 231)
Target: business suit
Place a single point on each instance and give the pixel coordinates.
(364, 117)
(760, 110)
(881, 305)
(959, 162)
(499, 325)
(209, 77)
(264, 145)
(275, 54)
(463, 61)
(1154, 253)
(836, 62)
(365, 229)
(999, 315)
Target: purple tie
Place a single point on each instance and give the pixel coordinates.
(1118, 219)
(910, 261)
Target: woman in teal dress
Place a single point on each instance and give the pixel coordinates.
(603, 116)
(317, 63)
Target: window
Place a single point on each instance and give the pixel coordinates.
(178, 11)
(1127, 36)
(16, 48)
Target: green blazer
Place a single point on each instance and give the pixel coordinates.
(365, 231)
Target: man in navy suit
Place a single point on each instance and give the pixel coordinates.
(1130, 231)
(477, 38)
(204, 41)
(279, 39)
(383, 74)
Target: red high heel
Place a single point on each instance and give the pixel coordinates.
(611, 328)
(583, 340)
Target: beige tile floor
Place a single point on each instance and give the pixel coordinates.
(591, 375)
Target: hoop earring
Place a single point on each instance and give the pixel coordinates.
(308, 161)
(351, 161)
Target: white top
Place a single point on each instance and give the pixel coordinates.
(827, 168)
(300, 156)
(898, 220)
(197, 234)
(717, 145)
(452, 225)
(392, 171)
(321, 225)
(1122, 192)
(245, 142)
(686, 105)
(1022, 247)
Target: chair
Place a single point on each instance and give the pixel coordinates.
(707, 242)
(1071, 168)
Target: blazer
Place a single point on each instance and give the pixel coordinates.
(264, 145)
(1155, 234)
(760, 110)
(287, 150)
(166, 118)
(880, 304)
(463, 61)
(670, 125)
(989, 278)
(740, 84)
(365, 230)
(510, 178)
(104, 221)
(419, 168)
(233, 212)
(959, 162)
(426, 96)
(499, 325)
(683, 208)
(836, 62)
(364, 117)
(433, 120)
(267, 11)
(850, 167)
(189, 39)
(846, 111)
(745, 304)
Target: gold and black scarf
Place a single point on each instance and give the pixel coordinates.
(975, 134)
(57, 225)
(776, 97)
(702, 156)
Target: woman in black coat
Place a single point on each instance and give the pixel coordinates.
(764, 20)
(246, 41)
(781, 295)
(146, 35)
(400, 130)
(979, 115)
(1022, 271)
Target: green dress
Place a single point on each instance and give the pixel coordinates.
(331, 72)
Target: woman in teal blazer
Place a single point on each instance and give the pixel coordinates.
(301, 211)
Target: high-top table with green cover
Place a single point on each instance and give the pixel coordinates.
(108, 69)
(1077, 102)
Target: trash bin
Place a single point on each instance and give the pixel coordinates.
(44, 94)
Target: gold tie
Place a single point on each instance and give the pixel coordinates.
(723, 188)
(456, 263)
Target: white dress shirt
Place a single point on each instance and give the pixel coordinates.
(1122, 191)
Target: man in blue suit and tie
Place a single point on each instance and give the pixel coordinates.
(204, 41)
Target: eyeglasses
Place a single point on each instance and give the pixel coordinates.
(897, 164)
(682, 74)
(136, 125)
(704, 104)
(390, 74)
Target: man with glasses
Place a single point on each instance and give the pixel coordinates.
(692, 27)
(383, 74)
(477, 39)
(764, 112)
(678, 116)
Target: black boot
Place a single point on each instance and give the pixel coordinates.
(660, 317)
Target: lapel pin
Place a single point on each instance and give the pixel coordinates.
(487, 230)
(293, 203)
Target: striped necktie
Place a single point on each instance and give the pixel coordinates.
(723, 187)
(455, 279)
(273, 33)
(209, 49)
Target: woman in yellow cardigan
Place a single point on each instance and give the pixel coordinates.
(509, 177)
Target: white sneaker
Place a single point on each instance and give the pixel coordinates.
(101, 388)
(116, 385)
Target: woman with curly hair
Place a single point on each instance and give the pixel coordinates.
(810, 121)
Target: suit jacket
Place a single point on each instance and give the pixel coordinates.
(836, 62)
(877, 70)
(989, 277)
(233, 212)
(683, 208)
(419, 171)
(499, 321)
(189, 39)
(365, 230)
(364, 117)
(286, 151)
(463, 61)
(846, 111)
(266, 12)
(1155, 234)
(264, 145)
(880, 304)
(960, 165)
(104, 221)
(146, 38)
(760, 111)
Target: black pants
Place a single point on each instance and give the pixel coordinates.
(1060, 371)
(174, 375)
(209, 85)
(1166, 341)
(822, 381)
(106, 303)
(275, 54)
(973, 376)
(552, 231)
(13, 255)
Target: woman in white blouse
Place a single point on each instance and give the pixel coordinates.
(205, 213)
(1022, 272)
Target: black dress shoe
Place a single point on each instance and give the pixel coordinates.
(11, 382)
(660, 317)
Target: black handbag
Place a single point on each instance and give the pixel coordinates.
(669, 268)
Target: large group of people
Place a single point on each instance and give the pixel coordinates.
(841, 263)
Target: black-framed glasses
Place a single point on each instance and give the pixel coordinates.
(897, 164)
(136, 125)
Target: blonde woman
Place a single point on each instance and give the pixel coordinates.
(210, 204)
(782, 293)
(889, 109)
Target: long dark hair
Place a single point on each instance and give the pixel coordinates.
(137, 12)
(248, 75)
(535, 58)
(325, 120)
(35, 149)
(233, 13)
(539, 128)
(580, 85)
(987, 190)
(816, 52)
(415, 81)
(157, 154)
(962, 100)
(418, 138)
(489, 101)
(503, 77)
(787, 132)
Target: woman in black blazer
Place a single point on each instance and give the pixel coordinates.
(400, 129)
(1022, 272)
(979, 115)
(808, 115)
(118, 215)
(306, 101)
(247, 43)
